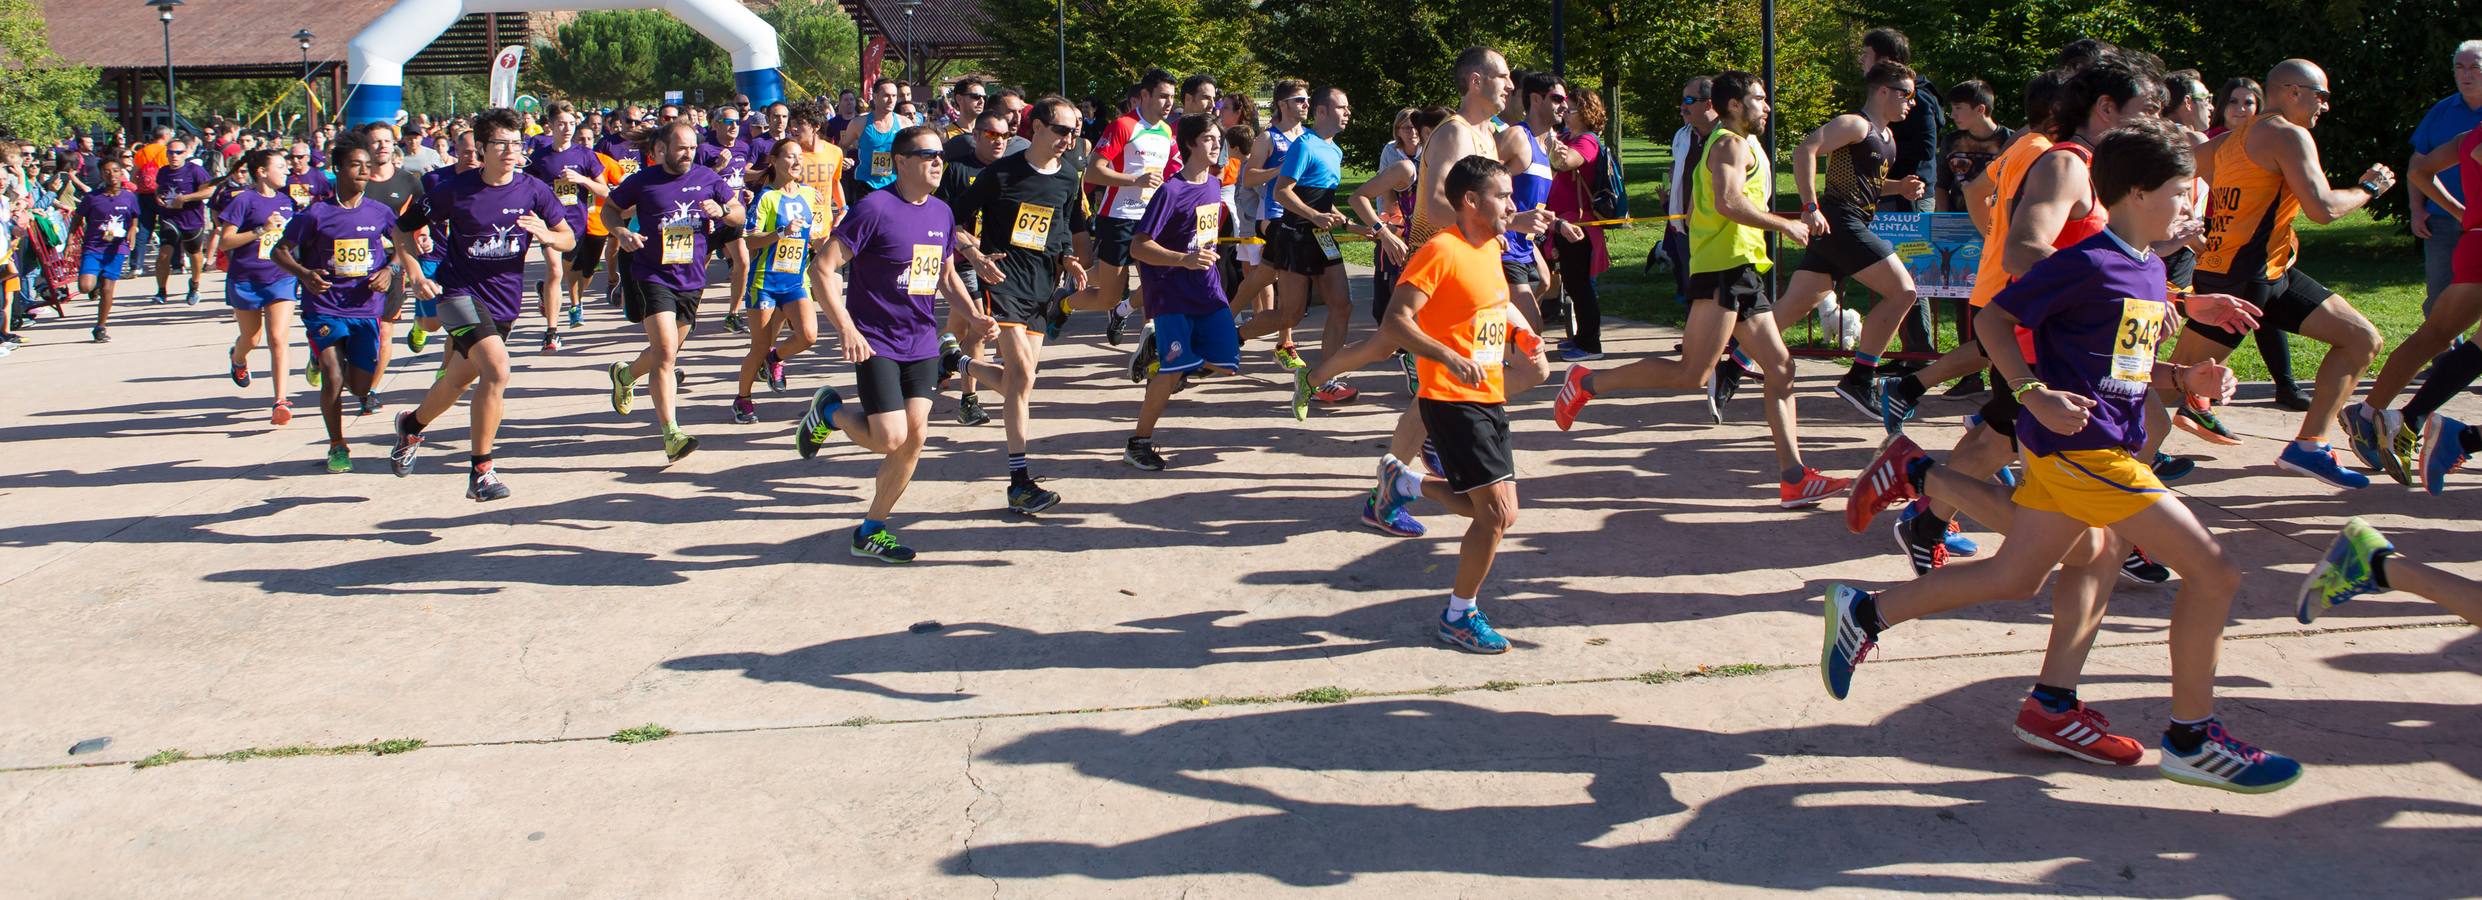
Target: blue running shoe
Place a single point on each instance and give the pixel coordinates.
(1471, 633)
(1846, 643)
(1956, 541)
(1392, 521)
(2319, 464)
(2228, 763)
(818, 420)
(2169, 468)
(1894, 409)
(1391, 491)
(2345, 573)
(2361, 432)
(2443, 451)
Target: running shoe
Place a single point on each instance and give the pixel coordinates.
(735, 324)
(1471, 632)
(818, 420)
(370, 404)
(483, 486)
(2443, 451)
(1301, 394)
(1114, 327)
(1846, 643)
(7, 347)
(551, 341)
(241, 373)
(2361, 432)
(1574, 354)
(2346, 573)
(881, 545)
(416, 339)
(339, 459)
(192, 298)
(1956, 542)
(2143, 569)
(1056, 314)
(314, 374)
(1924, 552)
(1335, 391)
(1966, 387)
(624, 387)
(775, 372)
(160, 298)
(1391, 495)
(2205, 424)
(577, 315)
(1812, 488)
(2080, 731)
(951, 358)
(1885, 482)
(1722, 386)
(1894, 409)
(1288, 357)
(1141, 454)
(2320, 464)
(100, 336)
(1573, 397)
(744, 411)
(2227, 762)
(2169, 468)
(401, 458)
(2403, 445)
(1861, 393)
(1028, 498)
(1394, 521)
(1142, 360)
(282, 414)
(1413, 377)
(970, 412)
(678, 444)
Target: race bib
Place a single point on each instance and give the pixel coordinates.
(922, 276)
(352, 258)
(1491, 335)
(301, 194)
(1327, 245)
(1208, 217)
(565, 190)
(2141, 331)
(626, 166)
(1033, 228)
(1146, 196)
(882, 162)
(268, 240)
(678, 241)
(787, 259)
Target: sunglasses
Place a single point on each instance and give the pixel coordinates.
(1558, 98)
(920, 153)
(1305, 98)
(974, 96)
(2322, 94)
(1691, 101)
(1063, 130)
(998, 135)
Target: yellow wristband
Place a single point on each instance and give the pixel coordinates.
(2018, 393)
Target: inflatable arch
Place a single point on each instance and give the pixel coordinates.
(376, 58)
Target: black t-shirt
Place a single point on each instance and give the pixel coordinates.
(397, 192)
(1028, 216)
(1963, 156)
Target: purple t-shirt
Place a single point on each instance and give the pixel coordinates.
(2098, 313)
(760, 146)
(307, 188)
(186, 178)
(430, 182)
(252, 262)
(899, 250)
(109, 218)
(1183, 217)
(710, 154)
(623, 152)
(547, 166)
(675, 254)
(483, 252)
(345, 246)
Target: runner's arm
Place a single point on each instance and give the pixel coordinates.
(1978, 196)
(1728, 162)
(2297, 157)
(2423, 176)
(231, 237)
(1256, 172)
(2051, 189)
(1837, 134)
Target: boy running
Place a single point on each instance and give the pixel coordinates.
(1184, 295)
(106, 223)
(338, 251)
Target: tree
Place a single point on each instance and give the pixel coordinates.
(1388, 54)
(621, 56)
(818, 41)
(41, 95)
(1112, 42)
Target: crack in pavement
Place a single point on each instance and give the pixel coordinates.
(973, 824)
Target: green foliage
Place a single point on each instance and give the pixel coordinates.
(1112, 42)
(641, 734)
(818, 40)
(437, 94)
(1321, 695)
(612, 57)
(41, 95)
(1369, 47)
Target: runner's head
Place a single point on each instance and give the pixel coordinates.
(969, 97)
(1698, 103)
(883, 96)
(992, 132)
(1155, 95)
(1889, 87)
(779, 117)
(1478, 190)
(1240, 140)
(1544, 97)
(115, 174)
(1969, 105)
(2142, 172)
(1054, 127)
(2111, 91)
(675, 146)
(2297, 88)
(176, 152)
(1482, 79)
(2042, 98)
(1199, 94)
(499, 139)
(381, 138)
(468, 152)
(300, 153)
(265, 167)
(1882, 45)
(2468, 63)
(1292, 103)
(784, 162)
(1408, 138)
(1200, 140)
(1330, 111)
(559, 117)
(727, 125)
(807, 122)
(919, 161)
(1740, 102)
(352, 158)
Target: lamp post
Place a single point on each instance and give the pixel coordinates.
(1060, 29)
(303, 37)
(172, 105)
(911, 74)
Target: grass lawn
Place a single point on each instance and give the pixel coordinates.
(2376, 265)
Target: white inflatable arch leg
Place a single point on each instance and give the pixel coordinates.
(376, 58)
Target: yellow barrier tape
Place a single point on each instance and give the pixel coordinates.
(1349, 238)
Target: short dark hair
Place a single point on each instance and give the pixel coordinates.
(1326, 97)
(498, 119)
(1429, 117)
(2042, 97)
(1007, 92)
(1535, 83)
(1729, 85)
(910, 132)
(2082, 52)
(1972, 93)
(2143, 155)
(1888, 44)
(557, 107)
(1887, 74)
(1153, 77)
(1189, 128)
(883, 82)
(1470, 62)
(1042, 110)
(2114, 77)
(1191, 84)
(967, 82)
(1239, 139)
(2180, 86)
(348, 142)
(1468, 175)
(991, 114)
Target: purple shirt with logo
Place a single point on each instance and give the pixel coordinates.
(2094, 308)
(345, 246)
(185, 178)
(248, 212)
(668, 216)
(482, 251)
(307, 188)
(1173, 219)
(899, 250)
(110, 218)
(547, 166)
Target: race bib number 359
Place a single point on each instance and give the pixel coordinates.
(352, 258)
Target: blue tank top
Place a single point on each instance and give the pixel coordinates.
(1527, 190)
(1279, 144)
(873, 162)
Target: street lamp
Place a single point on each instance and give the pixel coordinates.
(303, 37)
(911, 74)
(172, 106)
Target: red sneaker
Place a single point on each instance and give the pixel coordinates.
(1812, 488)
(1882, 483)
(2080, 732)
(1335, 391)
(1573, 397)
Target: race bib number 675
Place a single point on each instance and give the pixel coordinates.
(1032, 229)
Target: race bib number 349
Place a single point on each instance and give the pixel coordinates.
(922, 276)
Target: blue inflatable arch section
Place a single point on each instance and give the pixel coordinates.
(375, 60)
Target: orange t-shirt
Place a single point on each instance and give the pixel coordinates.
(1467, 310)
(611, 176)
(2008, 172)
(823, 168)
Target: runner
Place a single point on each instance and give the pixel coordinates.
(785, 228)
(482, 220)
(466, 156)
(2097, 312)
(182, 187)
(337, 250)
(1257, 209)
(2266, 171)
(675, 205)
(260, 291)
(991, 137)
(307, 183)
(1727, 265)
(1299, 245)
(573, 171)
(393, 186)
(869, 138)
(1131, 162)
(1191, 319)
(1031, 216)
(1452, 311)
(2411, 453)
(593, 244)
(900, 244)
(1542, 103)
(727, 151)
(106, 224)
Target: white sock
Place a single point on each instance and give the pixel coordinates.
(2307, 444)
(1458, 606)
(1408, 479)
(1121, 309)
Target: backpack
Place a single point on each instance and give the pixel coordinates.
(1606, 195)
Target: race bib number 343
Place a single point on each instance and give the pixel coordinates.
(2133, 346)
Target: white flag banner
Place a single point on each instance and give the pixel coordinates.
(504, 76)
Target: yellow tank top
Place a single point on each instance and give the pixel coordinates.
(2249, 214)
(2008, 174)
(1717, 243)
